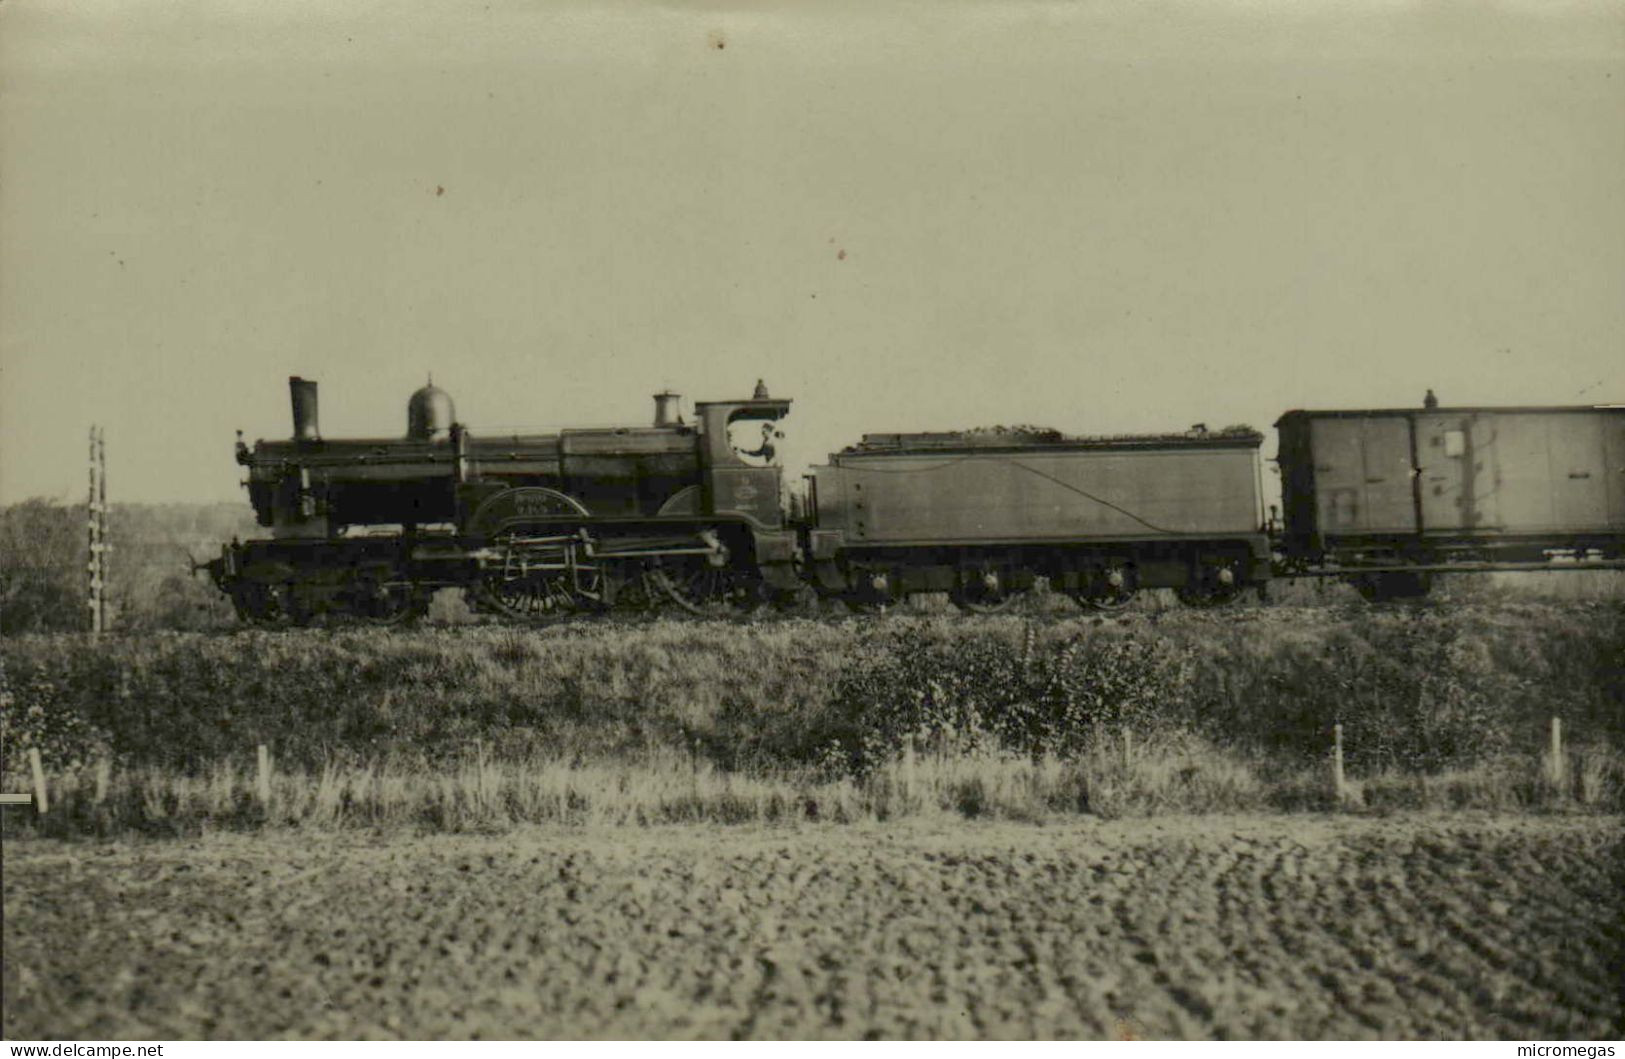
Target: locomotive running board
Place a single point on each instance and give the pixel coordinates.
(589, 549)
(589, 552)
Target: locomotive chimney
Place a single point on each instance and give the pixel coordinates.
(667, 410)
(303, 394)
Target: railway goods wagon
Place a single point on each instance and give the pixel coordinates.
(1406, 493)
(983, 515)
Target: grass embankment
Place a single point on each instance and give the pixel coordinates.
(479, 727)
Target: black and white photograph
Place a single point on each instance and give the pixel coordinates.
(783, 520)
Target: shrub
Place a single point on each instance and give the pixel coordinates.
(38, 713)
(1415, 688)
(915, 684)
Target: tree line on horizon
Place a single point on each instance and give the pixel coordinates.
(44, 555)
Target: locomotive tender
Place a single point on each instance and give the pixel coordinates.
(537, 526)
(981, 516)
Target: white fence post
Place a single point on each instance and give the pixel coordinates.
(1555, 766)
(262, 781)
(1339, 786)
(41, 801)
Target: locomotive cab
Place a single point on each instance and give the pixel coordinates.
(742, 479)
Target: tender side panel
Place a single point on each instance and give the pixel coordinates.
(1038, 496)
(1362, 475)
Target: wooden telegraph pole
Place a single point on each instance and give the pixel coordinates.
(96, 523)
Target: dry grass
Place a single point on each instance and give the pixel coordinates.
(1007, 717)
(1122, 777)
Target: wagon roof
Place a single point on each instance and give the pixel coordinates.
(1053, 441)
(1368, 413)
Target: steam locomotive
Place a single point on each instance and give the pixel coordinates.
(694, 515)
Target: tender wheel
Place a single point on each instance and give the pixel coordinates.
(1212, 584)
(699, 587)
(983, 592)
(870, 592)
(1113, 588)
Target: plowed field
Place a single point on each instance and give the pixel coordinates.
(1207, 927)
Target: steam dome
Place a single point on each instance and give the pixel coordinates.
(429, 414)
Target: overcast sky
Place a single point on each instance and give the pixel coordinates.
(1099, 217)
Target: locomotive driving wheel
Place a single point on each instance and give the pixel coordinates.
(534, 598)
(538, 565)
(561, 583)
(698, 586)
(635, 589)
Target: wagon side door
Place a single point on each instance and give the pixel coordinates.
(1579, 471)
(1363, 475)
(1457, 455)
